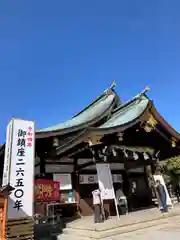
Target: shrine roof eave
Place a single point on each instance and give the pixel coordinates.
(93, 131)
(123, 118)
(101, 108)
(146, 105)
(126, 116)
(168, 128)
(127, 113)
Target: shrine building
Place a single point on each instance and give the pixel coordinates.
(128, 135)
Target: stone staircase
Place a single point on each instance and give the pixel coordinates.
(85, 230)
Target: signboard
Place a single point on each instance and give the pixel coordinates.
(47, 190)
(7, 156)
(105, 181)
(106, 184)
(56, 168)
(161, 179)
(20, 202)
(64, 179)
(88, 179)
(93, 178)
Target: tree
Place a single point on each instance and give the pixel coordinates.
(171, 168)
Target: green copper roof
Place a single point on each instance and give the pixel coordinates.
(92, 112)
(127, 112)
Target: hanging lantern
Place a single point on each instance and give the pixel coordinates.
(55, 142)
(120, 136)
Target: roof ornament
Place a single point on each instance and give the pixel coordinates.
(145, 90)
(113, 85)
(173, 142)
(150, 124)
(94, 140)
(109, 90)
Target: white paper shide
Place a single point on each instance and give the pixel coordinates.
(20, 202)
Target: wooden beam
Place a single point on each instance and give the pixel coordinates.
(59, 163)
(79, 167)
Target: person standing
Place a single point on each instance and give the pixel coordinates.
(121, 201)
(162, 195)
(97, 205)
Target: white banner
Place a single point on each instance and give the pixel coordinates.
(21, 200)
(7, 156)
(105, 181)
(161, 179)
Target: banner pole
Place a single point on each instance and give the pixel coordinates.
(117, 211)
(4, 219)
(115, 200)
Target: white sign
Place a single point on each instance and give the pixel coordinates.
(106, 184)
(105, 181)
(87, 179)
(92, 178)
(64, 179)
(7, 156)
(21, 200)
(117, 178)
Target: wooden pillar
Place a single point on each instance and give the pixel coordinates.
(42, 165)
(154, 167)
(147, 178)
(127, 187)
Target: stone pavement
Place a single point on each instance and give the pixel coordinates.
(166, 231)
(137, 223)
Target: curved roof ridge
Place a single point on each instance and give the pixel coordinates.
(142, 93)
(106, 92)
(90, 115)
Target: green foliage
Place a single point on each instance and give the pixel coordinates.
(171, 167)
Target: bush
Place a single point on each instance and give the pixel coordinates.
(171, 167)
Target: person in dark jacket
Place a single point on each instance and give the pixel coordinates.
(162, 195)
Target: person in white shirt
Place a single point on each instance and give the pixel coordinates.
(97, 205)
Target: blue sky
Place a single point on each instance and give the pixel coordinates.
(57, 56)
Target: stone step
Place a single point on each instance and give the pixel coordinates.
(81, 234)
(71, 237)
